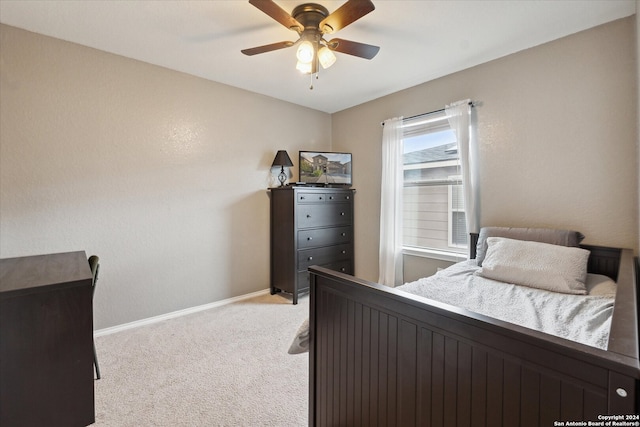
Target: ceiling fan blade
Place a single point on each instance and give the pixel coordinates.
(349, 12)
(362, 50)
(277, 13)
(266, 48)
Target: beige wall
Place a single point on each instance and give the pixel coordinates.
(557, 128)
(162, 174)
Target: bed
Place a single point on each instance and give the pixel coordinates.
(380, 356)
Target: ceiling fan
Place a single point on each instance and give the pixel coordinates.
(312, 21)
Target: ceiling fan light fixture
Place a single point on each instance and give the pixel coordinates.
(326, 57)
(312, 22)
(305, 52)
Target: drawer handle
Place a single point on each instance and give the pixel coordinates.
(309, 238)
(343, 234)
(346, 197)
(344, 252)
(320, 198)
(330, 197)
(301, 197)
(341, 213)
(343, 269)
(310, 258)
(308, 215)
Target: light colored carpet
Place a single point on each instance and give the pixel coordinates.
(227, 366)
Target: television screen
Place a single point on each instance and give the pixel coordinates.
(325, 168)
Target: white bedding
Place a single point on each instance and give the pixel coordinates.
(581, 318)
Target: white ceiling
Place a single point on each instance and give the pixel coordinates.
(419, 40)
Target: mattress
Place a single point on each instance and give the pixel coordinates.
(581, 318)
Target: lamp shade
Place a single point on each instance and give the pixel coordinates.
(282, 159)
(305, 52)
(326, 57)
(304, 68)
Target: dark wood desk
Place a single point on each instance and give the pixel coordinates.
(46, 341)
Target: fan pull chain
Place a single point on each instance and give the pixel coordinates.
(317, 73)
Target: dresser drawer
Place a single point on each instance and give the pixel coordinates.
(326, 255)
(324, 236)
(303, 280)
(322, 215)
(323, 197)
(341, 266)
(311, 197)
(338, 197)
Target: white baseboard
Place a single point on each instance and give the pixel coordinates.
(174, 314)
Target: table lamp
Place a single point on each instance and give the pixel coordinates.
(282, 159)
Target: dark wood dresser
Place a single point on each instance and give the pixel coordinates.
(46, 341)
(309, 226)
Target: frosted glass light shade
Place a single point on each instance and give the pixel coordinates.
(326, 57)
(304, 67)
(305, 52)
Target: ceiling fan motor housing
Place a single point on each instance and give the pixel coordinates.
(310, 15)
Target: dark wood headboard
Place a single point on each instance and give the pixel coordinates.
(473, 242)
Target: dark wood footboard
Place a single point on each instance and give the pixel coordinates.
(379, 356)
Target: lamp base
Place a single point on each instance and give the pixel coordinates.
(282, 177)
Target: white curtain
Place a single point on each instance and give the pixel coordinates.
(391, 204)
(459, 116)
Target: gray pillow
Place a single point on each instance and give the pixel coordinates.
(544, 235)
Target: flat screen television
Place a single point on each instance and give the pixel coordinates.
(325, 168)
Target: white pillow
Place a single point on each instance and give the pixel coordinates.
(543, 235)
(537, 265)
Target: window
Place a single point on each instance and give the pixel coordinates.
(433, 202)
